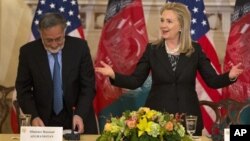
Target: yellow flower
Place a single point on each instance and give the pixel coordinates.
(115, 129)
(142, 125)
(153, 129)
(108, 127)
(144, 109)
(150, 114)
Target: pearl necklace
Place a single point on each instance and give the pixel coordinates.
(172, 51)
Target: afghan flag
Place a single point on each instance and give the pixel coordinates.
(122, 43)
(238, 51)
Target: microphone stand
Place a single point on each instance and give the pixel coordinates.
(72, 135)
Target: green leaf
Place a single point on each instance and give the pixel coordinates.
(104, 137)
(119, 136)
(187, 138)
(134, 136)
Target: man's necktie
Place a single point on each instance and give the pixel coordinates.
(57, 81)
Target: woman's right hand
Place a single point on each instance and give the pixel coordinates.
(105, 70)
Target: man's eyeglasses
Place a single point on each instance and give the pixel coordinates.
(57, 40)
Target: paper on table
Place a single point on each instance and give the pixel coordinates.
(226, 134)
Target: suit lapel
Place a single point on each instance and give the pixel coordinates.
(182, 63)
(66, 63)
(43, 64)
(164, 60)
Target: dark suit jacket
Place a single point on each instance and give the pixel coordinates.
(34, 83)
(173, 91)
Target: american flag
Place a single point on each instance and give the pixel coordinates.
(199, 29)
(68, 8)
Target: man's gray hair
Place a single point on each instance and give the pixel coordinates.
(52, 19)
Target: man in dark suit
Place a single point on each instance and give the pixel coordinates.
(37, 90)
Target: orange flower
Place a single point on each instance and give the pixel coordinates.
(169, 126)
(131, 123)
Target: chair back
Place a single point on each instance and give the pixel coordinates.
(4, 107)
(244, 114)
(227, 112)
(17, 107)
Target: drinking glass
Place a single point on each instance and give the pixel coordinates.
(191, 121)
(24, 119)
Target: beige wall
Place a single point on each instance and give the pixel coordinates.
(15, 23)
(0, 29)
(15, 30)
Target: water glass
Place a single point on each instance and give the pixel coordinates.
(25, 120)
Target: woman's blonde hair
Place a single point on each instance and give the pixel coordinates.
(184, 18)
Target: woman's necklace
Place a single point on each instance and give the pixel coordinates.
(174, 51)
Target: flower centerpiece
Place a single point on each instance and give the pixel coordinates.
(145, 125)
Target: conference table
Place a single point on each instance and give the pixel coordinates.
(15, 137)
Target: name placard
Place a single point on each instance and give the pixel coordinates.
(226, 134)
(29, 133)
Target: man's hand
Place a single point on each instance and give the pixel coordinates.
(37, 122)
(77, 122)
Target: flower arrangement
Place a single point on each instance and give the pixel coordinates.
(145, 125)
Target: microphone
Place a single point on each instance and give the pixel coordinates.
(72, 135)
